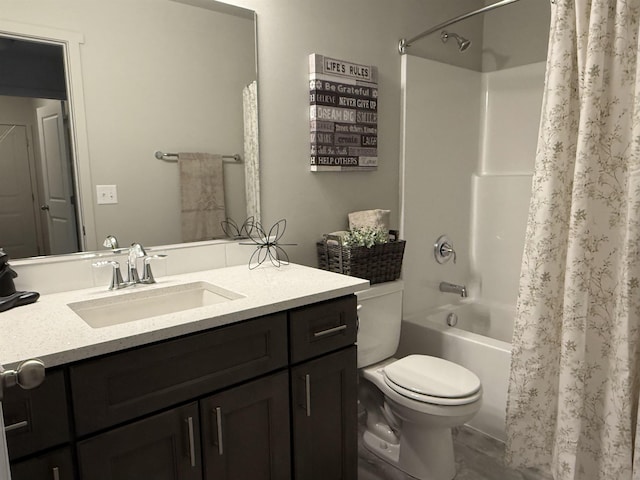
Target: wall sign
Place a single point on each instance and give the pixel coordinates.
(343, 113)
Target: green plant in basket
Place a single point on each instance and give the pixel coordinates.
(365, 237)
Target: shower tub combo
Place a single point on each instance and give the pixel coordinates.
(477, 336)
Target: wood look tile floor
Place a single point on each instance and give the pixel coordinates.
(478, 457)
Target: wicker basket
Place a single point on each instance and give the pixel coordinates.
(380, 263)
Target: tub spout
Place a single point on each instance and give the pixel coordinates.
(453, 288)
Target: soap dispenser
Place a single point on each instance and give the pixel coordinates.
(9, 297)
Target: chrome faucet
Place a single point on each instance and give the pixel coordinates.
(136, 251)
(110, 242)
(453, 288)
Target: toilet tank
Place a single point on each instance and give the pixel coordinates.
(380, 317)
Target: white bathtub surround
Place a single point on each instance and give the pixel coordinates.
(466, 173)
(501, 188)
(573, 395)
(510, 119)
(440, 135)
(479, 342)
(499, 219)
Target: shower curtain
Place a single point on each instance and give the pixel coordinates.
(251, 151)
(573, 393)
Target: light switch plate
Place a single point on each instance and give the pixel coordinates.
(107, 194)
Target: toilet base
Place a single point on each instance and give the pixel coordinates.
(387, 451)
(425, 455)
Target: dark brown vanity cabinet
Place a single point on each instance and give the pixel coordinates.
(239, 433)
(36, 419)
(272, 398)
(36, 422)
(54, 465)
(324, 391)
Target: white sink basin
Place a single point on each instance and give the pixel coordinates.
(118, 309)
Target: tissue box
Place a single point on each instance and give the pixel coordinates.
(380, 263)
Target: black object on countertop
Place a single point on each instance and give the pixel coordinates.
(7, 274)
(17, 299)
(9, 297)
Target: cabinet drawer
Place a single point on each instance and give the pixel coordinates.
(36, 419)
(122, 386)
(56, 465)
(322, 327)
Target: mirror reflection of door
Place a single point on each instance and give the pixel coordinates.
(57, 181)
(37, 210)
(19, 217)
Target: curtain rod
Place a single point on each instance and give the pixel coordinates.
(173, 157)
(404, 43)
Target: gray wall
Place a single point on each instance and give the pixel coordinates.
(515, 35)
(363, 31)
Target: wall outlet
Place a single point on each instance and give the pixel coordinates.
(107, 194)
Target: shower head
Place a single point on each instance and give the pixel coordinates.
(463, 43)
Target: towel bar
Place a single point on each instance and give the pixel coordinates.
(173, 157)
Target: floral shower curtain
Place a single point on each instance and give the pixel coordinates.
(575, 373)
(251, 150)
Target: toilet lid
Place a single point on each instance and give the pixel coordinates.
(431, 377)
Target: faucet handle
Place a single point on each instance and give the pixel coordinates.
(446, 250)
(135, 251)
(443, 250)
(147, 275)
(116, 277)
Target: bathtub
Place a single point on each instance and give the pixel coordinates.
(479, 341)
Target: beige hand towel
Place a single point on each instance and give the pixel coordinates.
(202, 192)
(369, 218)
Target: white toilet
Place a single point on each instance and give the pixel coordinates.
(411, 403)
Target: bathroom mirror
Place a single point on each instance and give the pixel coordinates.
(141, 77)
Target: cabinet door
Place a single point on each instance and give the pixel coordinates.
(163, 447)
(56, 465)
(324, 403)
(245, 431)
(36, 419)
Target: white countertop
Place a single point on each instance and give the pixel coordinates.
(51, 331)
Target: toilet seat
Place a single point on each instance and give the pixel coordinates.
(432, 380)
